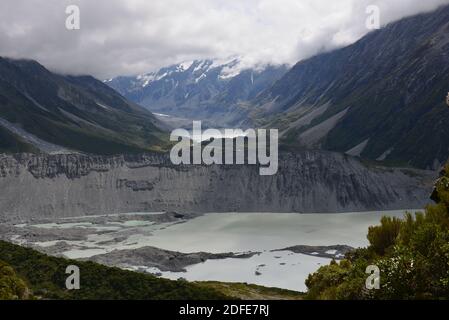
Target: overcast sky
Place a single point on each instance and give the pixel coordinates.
(124, 37)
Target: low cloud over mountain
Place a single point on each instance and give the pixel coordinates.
(131, 37)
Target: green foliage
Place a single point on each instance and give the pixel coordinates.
(384, 236)
(11, 286)
(46, 278)
(412, 255)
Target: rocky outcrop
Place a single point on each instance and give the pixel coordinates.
(50, 186)
(441, 185)
(163, 260)
(337, 252)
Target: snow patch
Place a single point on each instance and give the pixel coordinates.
(229, 73)
(162, 115)
(231, 70)
(204, 66)
(146, 79)
(184, 66)
(201, 77)
(102, 106)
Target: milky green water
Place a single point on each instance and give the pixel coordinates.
(239, 232)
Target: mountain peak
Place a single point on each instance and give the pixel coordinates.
(204, 89)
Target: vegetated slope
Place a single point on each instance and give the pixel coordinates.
(50, 112)
(379, 98)
(202, 89)
(412, 255)
(38, 276)
(9, 142)
(46, 278)
(12, 287)
(246, 291)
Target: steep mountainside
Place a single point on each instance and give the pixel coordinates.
(380, 98)
(201, 89)
(43, 111)
(76, 185)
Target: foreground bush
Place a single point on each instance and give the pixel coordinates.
(412, 254)
(11, 286)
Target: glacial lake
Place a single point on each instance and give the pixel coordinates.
(242, 232)
(263, 232)
(238, 233)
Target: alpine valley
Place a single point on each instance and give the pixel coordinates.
(87, 179)
(381, 98)
(214, 91)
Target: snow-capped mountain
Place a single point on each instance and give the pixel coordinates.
(201, 89)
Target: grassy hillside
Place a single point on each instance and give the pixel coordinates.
(45, 276)
(246, 291)
(28, 274)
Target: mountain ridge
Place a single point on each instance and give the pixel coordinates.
(381, 98)
(71, 113)
(200, 89)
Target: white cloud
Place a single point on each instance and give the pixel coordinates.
(136, 36)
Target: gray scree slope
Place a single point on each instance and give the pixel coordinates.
(50, 186)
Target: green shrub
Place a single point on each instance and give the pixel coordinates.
(384, 236)
(411, 253)
(11, 286)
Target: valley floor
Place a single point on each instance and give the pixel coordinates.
(267, 249)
